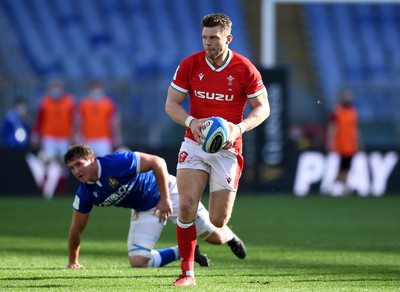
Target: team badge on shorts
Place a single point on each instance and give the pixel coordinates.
(182, 156)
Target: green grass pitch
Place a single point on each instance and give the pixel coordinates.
(294, 244)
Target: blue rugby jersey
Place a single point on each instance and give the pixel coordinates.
(120, 184)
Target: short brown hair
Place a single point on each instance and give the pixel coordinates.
(79, 150)
(217, 19)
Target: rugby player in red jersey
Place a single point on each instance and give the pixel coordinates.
(219, 82)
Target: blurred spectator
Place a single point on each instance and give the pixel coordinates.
(343, 139)
(52, 134)
(15, 128)
(99, 121)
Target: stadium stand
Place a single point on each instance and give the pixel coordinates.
(111, 39)
(354, 45)
(134, 45)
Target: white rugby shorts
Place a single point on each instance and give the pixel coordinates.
(224, 167)
(53, 148)
(145, 229)
(100, 147)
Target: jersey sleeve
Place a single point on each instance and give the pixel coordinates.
(136, 162)
(82, 202)
(255, 84)
(180, 80)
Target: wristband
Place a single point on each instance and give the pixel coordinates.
(189, 119)
(241, 127)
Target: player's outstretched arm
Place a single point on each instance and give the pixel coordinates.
(159, 167)
(78, 224)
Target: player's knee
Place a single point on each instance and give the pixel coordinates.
(218, 224)
(136, 265)
(218, 220)
(217, 237)
(187, 208)
(139, 262)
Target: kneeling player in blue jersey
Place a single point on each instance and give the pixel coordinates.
(141, 182)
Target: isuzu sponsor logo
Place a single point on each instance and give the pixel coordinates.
(213, 95)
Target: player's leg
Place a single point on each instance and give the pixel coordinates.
(221, 206)
(199, 258)
(191, 184)
(53, 168)
(344, 172)
(226, 169)
(213, 235)
(144, 232)
(340, 187)
(37, 167)
(54, 172)
(192, 178)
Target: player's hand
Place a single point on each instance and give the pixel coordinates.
(195, 127)
(234, 133)
(163, 209)
(75, 266)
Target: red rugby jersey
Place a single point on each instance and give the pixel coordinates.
(222, 91)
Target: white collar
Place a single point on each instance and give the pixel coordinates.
(219, 69)
(98, 175)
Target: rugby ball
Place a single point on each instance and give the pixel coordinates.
(216, 133)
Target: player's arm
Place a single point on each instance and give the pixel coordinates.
(178, 113)
(173, 106)
(160, 170)
(78, 224)
(258, 114)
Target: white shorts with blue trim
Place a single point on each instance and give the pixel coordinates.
(145, 229)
